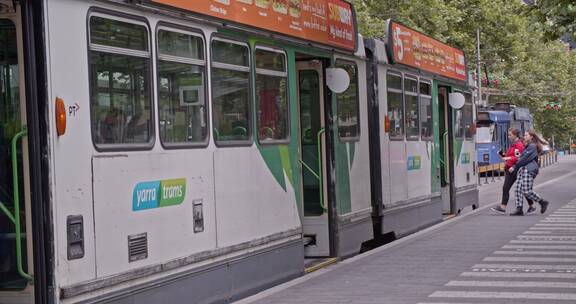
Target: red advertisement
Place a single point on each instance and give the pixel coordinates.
(329, 22)
(417, 50)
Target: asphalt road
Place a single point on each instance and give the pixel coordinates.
(477, 257)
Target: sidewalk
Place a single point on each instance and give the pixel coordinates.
(476, 257)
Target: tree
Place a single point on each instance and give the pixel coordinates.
(515, 50)
(555, 18)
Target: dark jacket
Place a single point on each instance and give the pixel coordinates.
(528, 159)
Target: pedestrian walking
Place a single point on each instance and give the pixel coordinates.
(511, 157)
(527, 169)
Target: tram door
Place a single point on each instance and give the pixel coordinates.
(446, 151)
(15, 243)
(312, 147)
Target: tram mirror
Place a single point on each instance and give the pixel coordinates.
(456, 100)
(337, 79)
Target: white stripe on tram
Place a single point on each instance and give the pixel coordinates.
(525, 266)
(529, 259)
(522, 252)
(557, 247)
(514, 284)
(504, 295)
(486, 274)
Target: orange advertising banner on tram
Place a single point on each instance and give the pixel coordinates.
(329, 22)
(417, 50)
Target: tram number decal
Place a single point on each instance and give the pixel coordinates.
(414, 162)
(156, 194)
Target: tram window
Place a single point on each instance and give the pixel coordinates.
(411, 108)
(121, 107)
(347, 101)
(458, 124)
(426, 124)
(120, 34)
(230, 92)
(271, 95)
(463, 118)
(395, 106)
(468, 116)
(182, 107)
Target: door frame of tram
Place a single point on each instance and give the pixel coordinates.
(29, 23)
(446, 133)
(318, 230)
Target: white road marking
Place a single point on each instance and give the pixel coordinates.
(529, 259)
(523, 252)
(557, 247)
(525, 266)
(555, 225)
(504, 295)
(538, 232)
(490, 274)
(542, 242)
(548, 237)
(516, 284)
(553, 228)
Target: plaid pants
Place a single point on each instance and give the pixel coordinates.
(524, 185)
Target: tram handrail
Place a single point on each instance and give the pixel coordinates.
(15, 217)
(309, 169)
(320, 175)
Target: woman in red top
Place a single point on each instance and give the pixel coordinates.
(511, 157)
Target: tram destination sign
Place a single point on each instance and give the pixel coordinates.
(329, 22)
(414, 49)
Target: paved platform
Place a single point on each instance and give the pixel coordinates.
(477, 257)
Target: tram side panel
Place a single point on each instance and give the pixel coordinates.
(187, 204)
(352, 158)
(406, 166)
(465, 169)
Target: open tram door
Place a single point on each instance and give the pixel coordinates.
(312, 137)
(445, 126)
(21, 243)
(15, 245)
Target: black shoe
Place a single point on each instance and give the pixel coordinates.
(531, 210)
(518, 212)
(498, 210)
(543, 206)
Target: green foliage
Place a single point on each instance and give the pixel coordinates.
(555, 18)
(515, 48)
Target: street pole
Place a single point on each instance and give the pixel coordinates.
(478, 70)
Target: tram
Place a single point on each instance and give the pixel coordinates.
(164, 150)
(422, 140)
(492, 128)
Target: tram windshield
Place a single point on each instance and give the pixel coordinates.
(485, 133)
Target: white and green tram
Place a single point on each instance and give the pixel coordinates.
(152, 152)
(422, 133)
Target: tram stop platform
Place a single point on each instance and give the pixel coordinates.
(476, 257)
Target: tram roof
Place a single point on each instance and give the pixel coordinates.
(330, 23)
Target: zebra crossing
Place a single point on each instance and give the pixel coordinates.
(538, 266)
